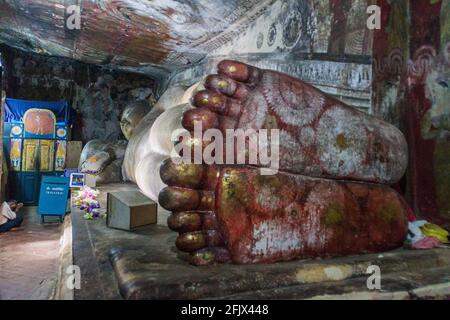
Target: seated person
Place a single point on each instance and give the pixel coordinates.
(8, 217)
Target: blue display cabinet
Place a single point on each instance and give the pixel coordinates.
(35, 145)
(53, 196)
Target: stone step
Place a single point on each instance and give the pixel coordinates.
(431, 283)
(142, 276)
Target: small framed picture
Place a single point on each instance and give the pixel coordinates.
(77, 180)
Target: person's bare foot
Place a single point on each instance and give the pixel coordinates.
(12, 204)
(319, 135)
(18, 207)
(232, 213)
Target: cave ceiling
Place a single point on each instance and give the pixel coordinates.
(147, 36)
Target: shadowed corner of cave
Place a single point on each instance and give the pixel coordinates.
(92, 93)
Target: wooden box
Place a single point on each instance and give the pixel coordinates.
(128, 210)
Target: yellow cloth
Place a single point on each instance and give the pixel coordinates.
(432, 230)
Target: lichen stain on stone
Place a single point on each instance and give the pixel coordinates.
(341, 141)
(272, 181)
(228, 186)
(388, 212)
(234, 188)
(334, 215)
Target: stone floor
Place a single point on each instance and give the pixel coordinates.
(144, 264)
(29, 258)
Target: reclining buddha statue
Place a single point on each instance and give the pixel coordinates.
(103, 159)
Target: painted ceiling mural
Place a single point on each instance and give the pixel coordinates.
(322, 41)
(164, 34)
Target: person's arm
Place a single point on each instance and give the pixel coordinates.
(7, 212)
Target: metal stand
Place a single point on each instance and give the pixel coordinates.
(61, 218)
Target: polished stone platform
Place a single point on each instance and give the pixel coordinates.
(145, 264)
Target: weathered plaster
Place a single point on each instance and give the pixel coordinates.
(296, 37)
(155, 36)
(411, 90)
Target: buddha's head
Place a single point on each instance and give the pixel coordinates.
(132, 115)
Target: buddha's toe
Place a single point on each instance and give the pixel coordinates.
(239, 71)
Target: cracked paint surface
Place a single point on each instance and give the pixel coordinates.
(299, 225)
(411, 90)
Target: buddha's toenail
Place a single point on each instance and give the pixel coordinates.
(215, 100)
(222, 84)
(205, 100)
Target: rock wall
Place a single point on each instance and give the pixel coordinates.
(324, 42)
(411, 90)
(97, 95)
